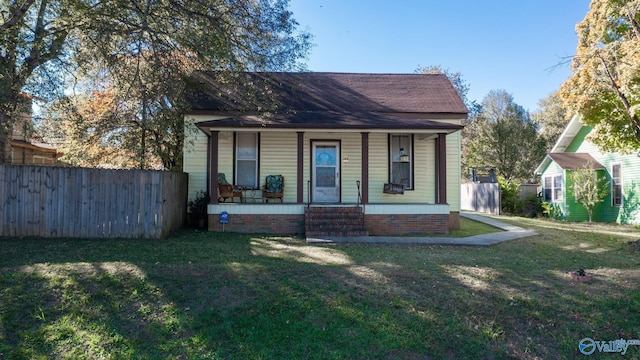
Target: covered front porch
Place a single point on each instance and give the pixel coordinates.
(336, 169)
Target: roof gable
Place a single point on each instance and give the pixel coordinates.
(339, 92)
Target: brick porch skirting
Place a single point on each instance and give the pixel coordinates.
(376, 225)
(407, 224)
(277, 224)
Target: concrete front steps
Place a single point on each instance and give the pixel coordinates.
(321, 221)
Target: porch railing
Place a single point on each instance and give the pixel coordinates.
(360, 202)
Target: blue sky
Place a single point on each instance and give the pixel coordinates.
(514, 45)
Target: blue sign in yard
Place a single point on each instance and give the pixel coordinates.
(224, 217)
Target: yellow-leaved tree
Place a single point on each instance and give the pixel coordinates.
(605, 85)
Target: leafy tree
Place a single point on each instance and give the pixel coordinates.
(140, 47)
(88, 132)
(588, 189)
(468, 134)
(551, 117)
(506, 138)
(32, 34)
(605, 85)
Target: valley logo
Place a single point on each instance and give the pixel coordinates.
(588, 346)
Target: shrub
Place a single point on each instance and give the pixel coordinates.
(510, 196)
(198, 209)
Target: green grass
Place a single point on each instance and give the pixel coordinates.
(202, 295)
(469, 227)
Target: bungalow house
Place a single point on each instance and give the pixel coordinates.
(25, 151)
(572, 151)
(375, 154)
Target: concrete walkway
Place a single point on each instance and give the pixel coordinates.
(509, 232)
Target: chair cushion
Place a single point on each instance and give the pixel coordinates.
(274, 183)
(222, 179)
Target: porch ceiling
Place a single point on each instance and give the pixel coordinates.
(330, 120)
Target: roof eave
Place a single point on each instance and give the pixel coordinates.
(543, 165)
(567, 136)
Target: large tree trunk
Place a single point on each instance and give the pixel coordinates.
(8, 106)
(5, 138)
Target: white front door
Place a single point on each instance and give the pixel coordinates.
(325, 170)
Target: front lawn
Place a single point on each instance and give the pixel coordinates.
(202, 295)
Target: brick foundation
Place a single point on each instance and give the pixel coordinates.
(454, 220)
(276, 224)
(410, 224)
(375, 224)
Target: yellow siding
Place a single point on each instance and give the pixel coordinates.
(195, 162)
(279, 156)
(225, 154)
(424, 171)
(453, 171)
(378, 168)
(195, 154)
(351, 171)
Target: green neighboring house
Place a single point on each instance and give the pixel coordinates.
(574, 151)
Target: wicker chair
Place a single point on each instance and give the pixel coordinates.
(273, 188)
(227, 191)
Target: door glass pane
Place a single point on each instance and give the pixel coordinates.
(325, 166)
(325, 155)
(325, 177)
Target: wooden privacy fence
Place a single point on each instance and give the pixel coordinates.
(486, 197)
(90, 203)
(529, 189)
(482, 197)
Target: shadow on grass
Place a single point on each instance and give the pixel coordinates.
(204, 295)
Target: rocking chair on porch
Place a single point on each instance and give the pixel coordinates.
(273, 188)
(226, 190)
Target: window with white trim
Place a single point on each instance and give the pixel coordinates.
(401, 160)
(246, 166)
(553, 188)
(616, 184)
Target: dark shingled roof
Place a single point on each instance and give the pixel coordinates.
(430, 94)
(573, 161)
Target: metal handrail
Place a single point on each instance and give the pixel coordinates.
(308, 193)
(360, 202)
